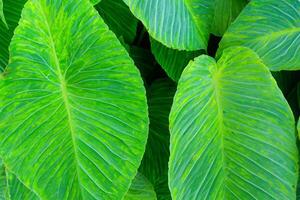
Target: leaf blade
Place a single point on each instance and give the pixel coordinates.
(74, 95)
(164, 21)
(273, 33)
(140, 188)
(233, 136)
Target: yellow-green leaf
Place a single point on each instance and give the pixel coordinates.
(73, 117)
(272, 29)
(232, 132)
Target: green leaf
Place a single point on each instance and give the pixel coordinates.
(12, 188)
(12, 11)
(286, 80)
(155, 162)
(225, 12)
(232, 132)
(292, 99)
(178, 24)
(298, 94)
(95, 2)
(172, 61)
(162, 188)
(118, 17)
(73, 117)
(145, 62)
(3, 181)
(298, 185)
(270, 28)
(2, 17)
(140, 189)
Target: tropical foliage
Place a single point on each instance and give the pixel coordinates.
(149, 99)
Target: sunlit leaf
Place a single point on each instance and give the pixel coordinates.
(178, 24)
(12, 188)
(232, 132)
(270, 28)
(73, 117)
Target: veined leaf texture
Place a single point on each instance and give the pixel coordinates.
(149, 99)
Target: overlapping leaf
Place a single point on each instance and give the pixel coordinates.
(232, 132)
(140, 189)
(298, 184)
(12, 12)
(225, 12)
(272, 29)
(118, 17)
(172, 61)
(145, 62)
(178, 24)
(95, 2)
(73, 117)
(155, 162)
(2, 17)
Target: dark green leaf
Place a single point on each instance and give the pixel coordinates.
(118, 17)
(225, 12)
(140, 189)
(155, 162)
(12, 11)
(172, 61)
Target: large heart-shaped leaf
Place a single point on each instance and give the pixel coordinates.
(12, 11)
(118, 17)
(225, 12)
(155, 162)
(73, 117)
(232, 132)
(179, 24)
(272, 29)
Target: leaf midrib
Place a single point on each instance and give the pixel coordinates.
(277, 34)
(64, 91)
(217, 95)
